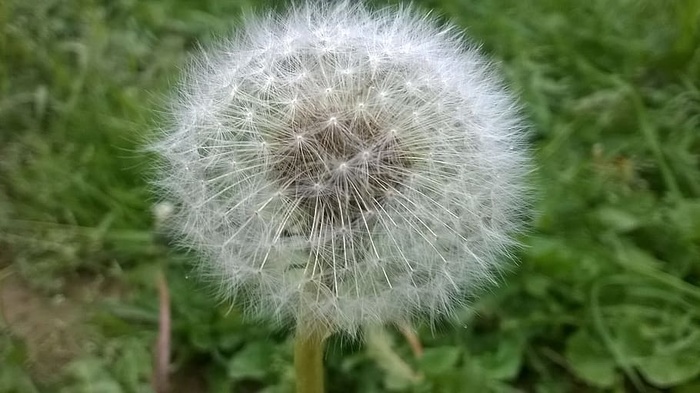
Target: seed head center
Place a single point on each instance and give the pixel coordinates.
(339, 171)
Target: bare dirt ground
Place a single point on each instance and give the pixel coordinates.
(56, 329)
(52, 327)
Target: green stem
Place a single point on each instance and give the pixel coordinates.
(308, 361)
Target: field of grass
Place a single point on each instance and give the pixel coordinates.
(606, 295)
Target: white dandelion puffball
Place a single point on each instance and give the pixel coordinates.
(348, 165)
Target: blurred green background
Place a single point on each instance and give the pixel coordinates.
(606, 296)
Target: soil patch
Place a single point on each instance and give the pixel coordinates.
(52, 327)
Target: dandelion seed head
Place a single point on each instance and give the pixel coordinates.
(358, 166)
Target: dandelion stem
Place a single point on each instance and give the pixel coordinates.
(308, 361)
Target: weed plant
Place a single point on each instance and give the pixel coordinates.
(605, 297)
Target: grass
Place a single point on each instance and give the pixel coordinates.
(605, 297)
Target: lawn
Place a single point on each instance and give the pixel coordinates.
(605, 295)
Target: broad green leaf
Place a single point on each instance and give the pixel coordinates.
(589, 360)
(253, 361)
(667, 371)
(439, 360)
(504, 362)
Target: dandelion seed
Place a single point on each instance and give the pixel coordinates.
(352, 166)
